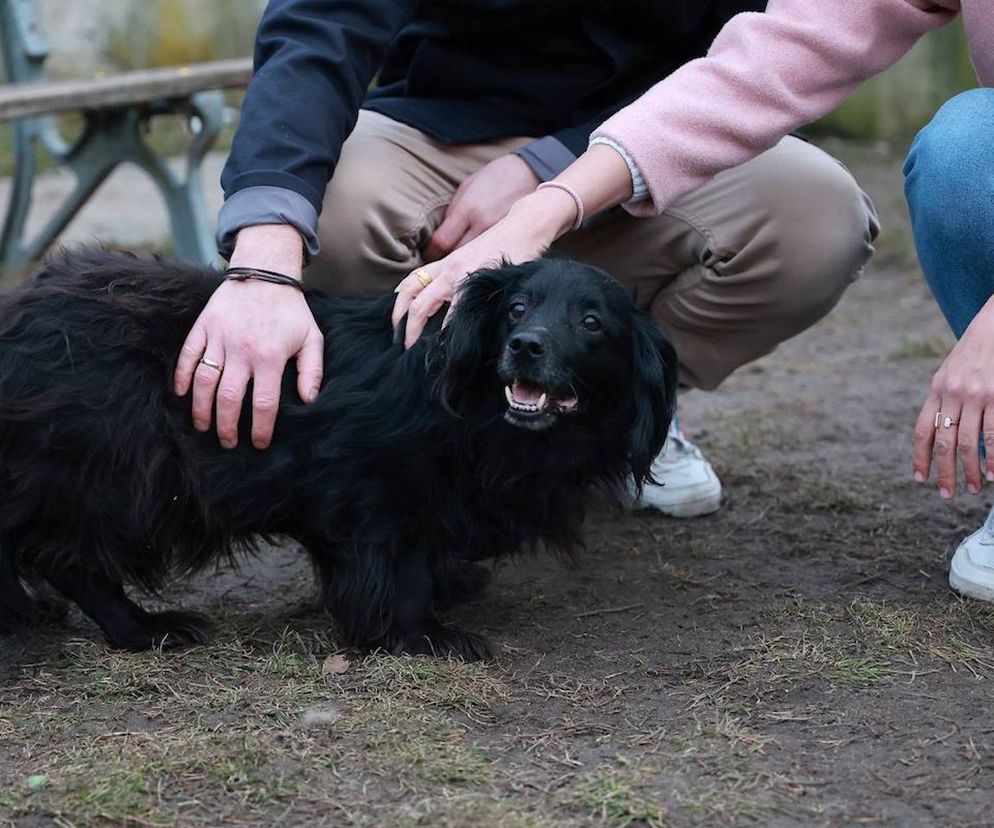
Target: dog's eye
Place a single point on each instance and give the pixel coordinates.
(591, 323)
(517, 310)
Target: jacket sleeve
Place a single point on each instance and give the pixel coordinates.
(765, 75)
(314, 60)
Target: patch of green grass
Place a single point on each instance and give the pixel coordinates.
(728, 803)
(611, 795)
(860, 671)
(927, 348)
(146, 737)
(448, 810)
(825, 496)
(10, 800)
(115, 796)
(471, 689)
(859, 645)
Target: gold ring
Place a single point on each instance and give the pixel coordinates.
(423, 276)
(945, 422)
(210, 363)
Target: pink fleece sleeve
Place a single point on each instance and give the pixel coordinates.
(765, 75)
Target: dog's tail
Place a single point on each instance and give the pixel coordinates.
(20, 603)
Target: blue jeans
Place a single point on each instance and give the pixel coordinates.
(949, 183)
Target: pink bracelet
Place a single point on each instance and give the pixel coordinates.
(558, 185)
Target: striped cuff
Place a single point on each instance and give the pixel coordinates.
(640, 191)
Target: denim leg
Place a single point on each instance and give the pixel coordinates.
(949, 183)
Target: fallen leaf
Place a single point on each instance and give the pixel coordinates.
(335, 665)
(39, 780)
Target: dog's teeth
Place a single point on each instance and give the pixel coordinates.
(542, 401)
(509, 395)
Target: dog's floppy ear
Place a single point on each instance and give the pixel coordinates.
(653, 390)
(464, 343)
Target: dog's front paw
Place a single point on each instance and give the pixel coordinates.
(443, 642)
(164, 630)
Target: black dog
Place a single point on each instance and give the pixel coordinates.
(480, 440)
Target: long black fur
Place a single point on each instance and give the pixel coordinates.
(402, 473)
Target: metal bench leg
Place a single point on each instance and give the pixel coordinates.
(184, 195)
(110, 138)
(19, 201)
(85, 159)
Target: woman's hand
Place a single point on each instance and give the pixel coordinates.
(601, 179)
(962, 394)
(251, 330)
(532, 224)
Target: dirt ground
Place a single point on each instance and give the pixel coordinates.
(796, 659)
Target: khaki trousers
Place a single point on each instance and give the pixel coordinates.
(753, 257)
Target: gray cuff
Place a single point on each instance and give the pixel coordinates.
(640, 189)
(267, 205)
(546, 157)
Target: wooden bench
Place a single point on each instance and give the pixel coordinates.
(115, 110)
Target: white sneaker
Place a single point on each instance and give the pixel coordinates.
(688, 486)
(971, 571)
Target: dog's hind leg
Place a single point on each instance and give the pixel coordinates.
(21, 604)
(126, 625)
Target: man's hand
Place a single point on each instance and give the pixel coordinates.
(481, 201)
(962, 391)
(252, 329)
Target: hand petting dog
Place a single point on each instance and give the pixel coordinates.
(248, 332)
(525, 233)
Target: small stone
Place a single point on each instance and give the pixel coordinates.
(322, 715)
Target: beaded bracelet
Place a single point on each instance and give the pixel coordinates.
(244, 274)
(558, 185)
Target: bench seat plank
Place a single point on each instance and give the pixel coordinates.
(20, 100)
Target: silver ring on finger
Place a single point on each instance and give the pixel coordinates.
(210, 363)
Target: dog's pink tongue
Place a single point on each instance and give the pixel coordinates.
(525, 392)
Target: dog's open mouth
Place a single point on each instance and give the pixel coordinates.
(532, 406)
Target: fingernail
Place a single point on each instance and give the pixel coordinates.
(227, 444)
(990, 476)
(919, 477)
(973, 488)
(312, 394)
(945, 494)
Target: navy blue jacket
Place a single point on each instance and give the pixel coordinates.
(459, 70)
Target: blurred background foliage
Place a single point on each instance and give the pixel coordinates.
(90, 36)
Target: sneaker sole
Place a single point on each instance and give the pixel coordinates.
(697, 507)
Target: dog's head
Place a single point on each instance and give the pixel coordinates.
(558, 344)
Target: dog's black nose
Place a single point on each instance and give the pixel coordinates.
(528, 344)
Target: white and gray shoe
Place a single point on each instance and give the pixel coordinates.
(971, 571)
(687, 485)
